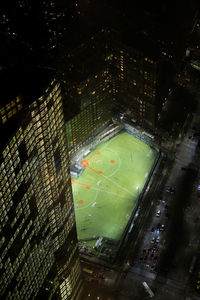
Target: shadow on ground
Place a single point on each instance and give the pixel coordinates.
(177, 236)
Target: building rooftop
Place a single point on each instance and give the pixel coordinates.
(26, 80)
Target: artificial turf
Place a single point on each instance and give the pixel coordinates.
(106, 192)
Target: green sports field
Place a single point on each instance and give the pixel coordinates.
(105, 193)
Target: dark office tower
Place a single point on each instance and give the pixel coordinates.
(141, 77)
(94, 109)
(30, 22)
(64, 14)
(50, 14)
(88, 103)
(135, 79)
(193, 54)
(166, 22)
(38, 245)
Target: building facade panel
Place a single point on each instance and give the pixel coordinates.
(37, 215)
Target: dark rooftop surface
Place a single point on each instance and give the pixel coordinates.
(27, 81)
(24, 73)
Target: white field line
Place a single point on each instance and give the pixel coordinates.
(89, 204)
(104, 191)
(83, 207)
(118, 165)
(107, 178)
(117, 184)
(108, 143)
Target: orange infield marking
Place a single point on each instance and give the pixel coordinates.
(92, 156)
(97, 153)
(87, 186)
(85, 163)
(80, 201)
(98, 172)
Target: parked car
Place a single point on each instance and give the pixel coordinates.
(170, 190)
(183, 169)
(162, 227)
(158, 213)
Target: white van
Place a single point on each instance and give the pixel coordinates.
(148, 290)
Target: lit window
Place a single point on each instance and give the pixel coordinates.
(4, 119)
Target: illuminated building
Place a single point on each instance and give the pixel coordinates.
(119, 78)
(94, 110)
(87, 97)
(38, 245)
(141, 79)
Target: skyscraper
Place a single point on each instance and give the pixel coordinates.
(93, 113)
(140, 83)
(131, 77)
(39, 254)
(31, 23)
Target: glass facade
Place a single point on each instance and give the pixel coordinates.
(94, 96)
(39, 254)
(134, 79)
(135, 85)
(10, 109)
